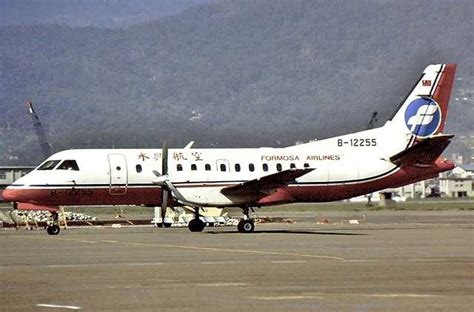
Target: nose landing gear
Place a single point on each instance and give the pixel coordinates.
(53, 229)
(53, 226)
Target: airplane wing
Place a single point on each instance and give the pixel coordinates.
(424, 153)
(266, 183)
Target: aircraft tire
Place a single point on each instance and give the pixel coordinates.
(246, 226)
(196, 225)
(53, 229)
(164, 225)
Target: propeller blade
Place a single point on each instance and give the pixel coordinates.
(164, 159)
(177, 195)
(164, 204)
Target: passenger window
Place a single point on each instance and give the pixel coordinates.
(193, 167)
(223, 167)
(237, 167)
(251, 167)
(138, 168)
(292, 166)
(49, 165)
(179, 167)
(306, 165)
(279, 167)
(68, 165)
(265, 167)
(207, 167)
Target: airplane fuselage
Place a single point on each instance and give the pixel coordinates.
(344, 167)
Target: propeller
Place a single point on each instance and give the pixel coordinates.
(161, 180)
(164, 191)
(167, 187)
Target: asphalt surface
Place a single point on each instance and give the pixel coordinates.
(398, 261)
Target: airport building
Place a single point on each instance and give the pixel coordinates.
(458, 182)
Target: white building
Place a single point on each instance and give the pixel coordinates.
(458, 182)
(456, 187)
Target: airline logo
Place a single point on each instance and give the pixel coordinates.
(423, 117)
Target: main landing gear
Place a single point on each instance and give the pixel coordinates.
(53, 226)
(246, 225)
(196, 224)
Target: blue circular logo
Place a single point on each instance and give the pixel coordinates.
(423, 117)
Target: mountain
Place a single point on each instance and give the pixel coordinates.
(229, 73)
(81, 13)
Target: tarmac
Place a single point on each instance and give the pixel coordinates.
(390, 261)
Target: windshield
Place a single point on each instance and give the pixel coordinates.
(68, 165)
(49, 165)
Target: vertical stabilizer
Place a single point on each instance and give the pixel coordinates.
(424, 111)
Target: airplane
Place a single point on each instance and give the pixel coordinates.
(406, 149)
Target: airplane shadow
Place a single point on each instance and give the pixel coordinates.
(291, 232)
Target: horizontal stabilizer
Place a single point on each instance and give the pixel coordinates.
(266, 183)
(424, 153)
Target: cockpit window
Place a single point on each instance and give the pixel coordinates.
(68, 165)
(49, 165)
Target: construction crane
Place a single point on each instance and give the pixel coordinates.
(372, 121)
(45, 147)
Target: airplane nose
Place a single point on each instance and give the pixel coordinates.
(10, 195)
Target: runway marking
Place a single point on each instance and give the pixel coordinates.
(427, 260)
(109, 241)
(302, 297)
(78, 240)
(258, 252)
(221, 284)
(402, 296)
(59, 238)
(45, 305)
(220, 262)
(289, 261)
(246, 251)
(145, 263)
(362, 260)
(69, 265)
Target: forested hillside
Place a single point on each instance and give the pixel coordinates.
(100, 13)
(231, 73)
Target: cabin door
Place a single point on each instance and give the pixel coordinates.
(118, 174)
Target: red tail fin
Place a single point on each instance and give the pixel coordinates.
(443, 91)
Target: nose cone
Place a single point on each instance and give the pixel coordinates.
(13, 195)
(10, 195)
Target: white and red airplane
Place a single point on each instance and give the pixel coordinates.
(405, 150)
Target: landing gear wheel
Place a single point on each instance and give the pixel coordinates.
(53, 229)
(164, 225)
(246, 226)
(196, 225)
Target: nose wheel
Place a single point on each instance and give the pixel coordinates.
(53, 229)
(53, 226)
